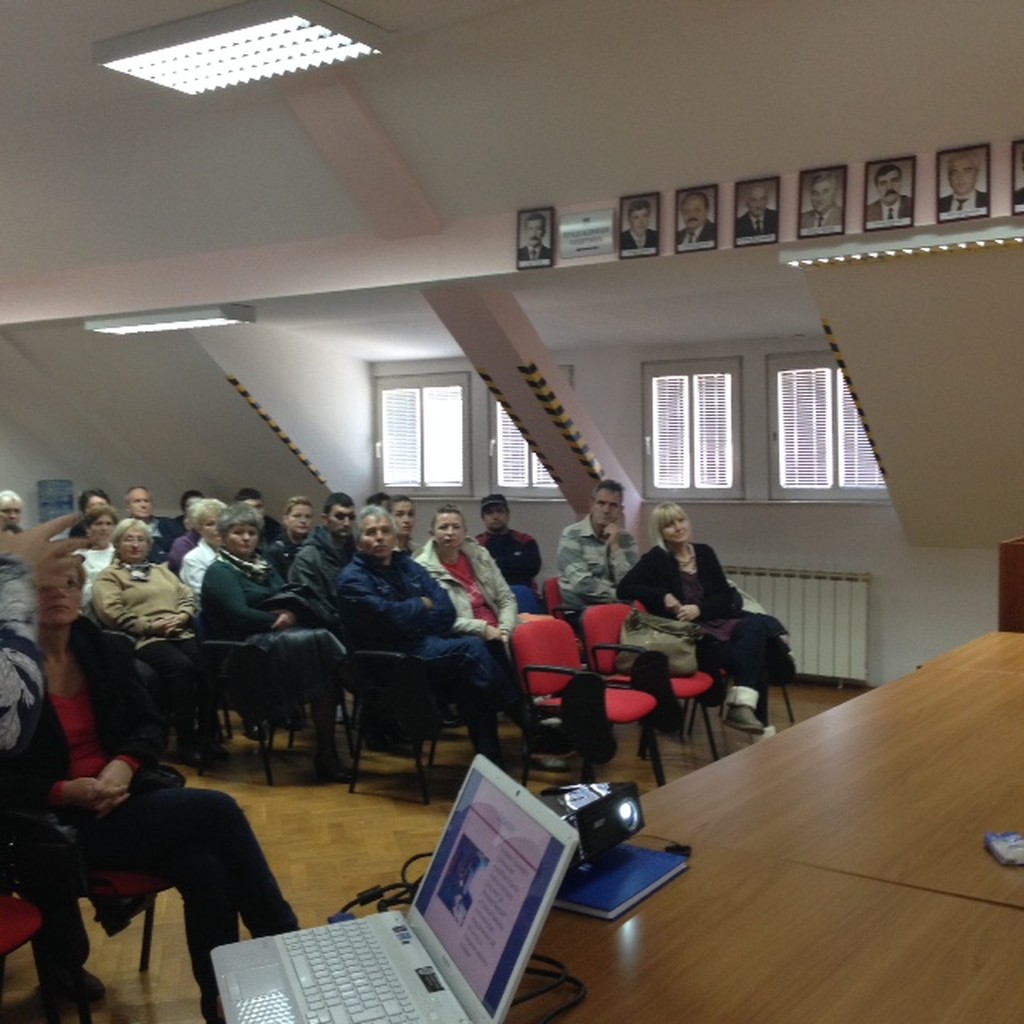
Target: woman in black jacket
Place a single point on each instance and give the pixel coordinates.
(679, 579)
(97, 734)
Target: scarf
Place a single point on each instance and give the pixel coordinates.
(138, 572)
(256, 569)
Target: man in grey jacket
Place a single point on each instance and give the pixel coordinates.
(595, 553)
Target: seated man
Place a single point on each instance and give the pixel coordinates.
(163, 530)
(389, 602)
(327, 550)
(517, 554)
(595, 553)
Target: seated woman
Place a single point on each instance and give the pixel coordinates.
(484, 604)
(89, 498)
(97, 730)
(100, 521)
(403, 511)
(10, 512)
(679, 579)
(195, 563)
(189, 537)
(296, 525)
(151, 605)
(303, 659)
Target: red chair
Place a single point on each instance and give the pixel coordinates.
(546, 657)
(553, 599)
(19, 923)
(36, 842)
(138, 892)
(602, 631)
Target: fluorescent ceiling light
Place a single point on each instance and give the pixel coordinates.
(244, 43)
(172, 320)
(923, 240)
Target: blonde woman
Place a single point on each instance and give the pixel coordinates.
(681, 579)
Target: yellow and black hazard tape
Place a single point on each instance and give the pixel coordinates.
(561, 419)
(834, 346)
(265, 416)
(531, 444)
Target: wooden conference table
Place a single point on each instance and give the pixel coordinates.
(838, 871)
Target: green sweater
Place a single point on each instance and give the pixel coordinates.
(231, 602)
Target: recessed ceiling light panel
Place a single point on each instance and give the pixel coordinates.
(245, 43)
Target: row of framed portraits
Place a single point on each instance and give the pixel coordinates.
(962, 192)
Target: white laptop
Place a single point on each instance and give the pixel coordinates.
(458, 954)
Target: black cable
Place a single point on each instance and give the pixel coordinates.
(367, 896)
(673, 845)
(560, 976)
(405, 891)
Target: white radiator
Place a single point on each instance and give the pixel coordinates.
(826, 614)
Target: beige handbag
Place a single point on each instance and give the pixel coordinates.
(677, 640)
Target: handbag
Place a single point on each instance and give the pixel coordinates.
(161, 776)
(677, 640)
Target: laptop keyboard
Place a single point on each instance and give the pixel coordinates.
(346, 978)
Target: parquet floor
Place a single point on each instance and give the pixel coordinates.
(326, 845)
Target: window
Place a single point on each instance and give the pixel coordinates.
(517, 466)
(823, 449)
(692, 417)
(422, 431)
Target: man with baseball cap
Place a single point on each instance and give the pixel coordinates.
(517, 554)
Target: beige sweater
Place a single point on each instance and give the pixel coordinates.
(130, 605)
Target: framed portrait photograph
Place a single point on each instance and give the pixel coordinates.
(1017, 175)
(889, 193)
(757, 212)
(697, 218)
(961, 181)
(822, 202)
(638, 225)
(534, 242)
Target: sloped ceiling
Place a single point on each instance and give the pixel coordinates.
(934, 344)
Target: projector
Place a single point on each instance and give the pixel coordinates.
(603, 813)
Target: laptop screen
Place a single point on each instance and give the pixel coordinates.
(489, 888)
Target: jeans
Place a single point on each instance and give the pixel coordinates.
(482, 688)
(747, 656)
(201, 841)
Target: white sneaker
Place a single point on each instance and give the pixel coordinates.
(769, 730)
(737, 716)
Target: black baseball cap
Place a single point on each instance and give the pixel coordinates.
(493, 501)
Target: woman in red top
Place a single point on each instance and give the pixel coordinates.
(96, 732)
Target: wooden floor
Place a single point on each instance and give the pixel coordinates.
(326, 845)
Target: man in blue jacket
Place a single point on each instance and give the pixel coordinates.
(389, 602)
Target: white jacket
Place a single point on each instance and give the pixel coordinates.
(495, 590)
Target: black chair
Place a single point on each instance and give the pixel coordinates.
(588, 713)
(244, 679)
(395, 688)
